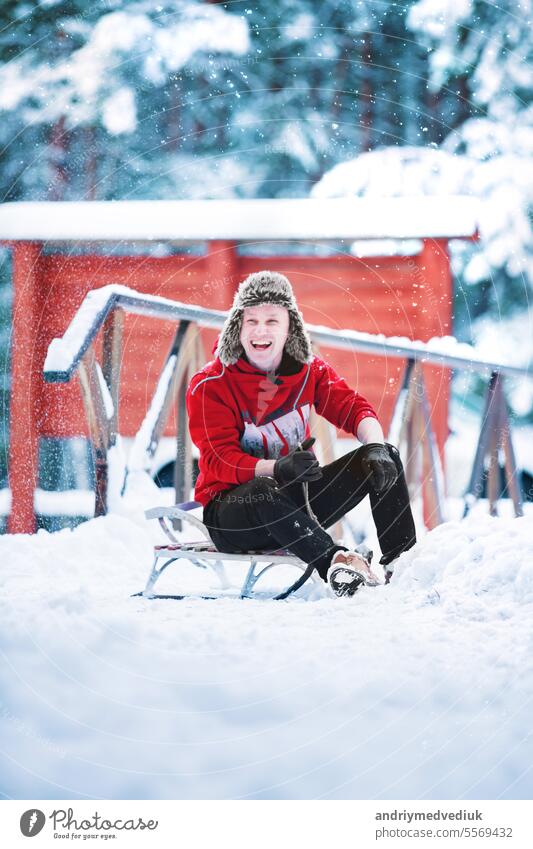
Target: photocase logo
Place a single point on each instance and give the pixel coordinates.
(32, 822)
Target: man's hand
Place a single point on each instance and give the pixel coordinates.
(299, 466)
(377, 463)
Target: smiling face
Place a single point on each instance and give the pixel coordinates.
(264, 331)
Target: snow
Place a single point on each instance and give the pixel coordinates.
(5, 501)
(84, 85)
(62, 352)
(300, 28)
(139, 457)
(72, 502)
(119, 113)
(257, 219)
(14, 87)
(436, 349)
(438, 16)
(116, 475)
(386, 247)
(421, 689)
(398, 171)
(109, 407)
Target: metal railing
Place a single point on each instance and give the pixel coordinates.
(411, 427)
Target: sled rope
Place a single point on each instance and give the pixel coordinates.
(305, 488)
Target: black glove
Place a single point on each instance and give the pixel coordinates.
(298, 466)
(377, 463)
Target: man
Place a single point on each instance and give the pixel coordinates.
(260, 485)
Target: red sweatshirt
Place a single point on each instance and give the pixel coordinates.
(238, 415)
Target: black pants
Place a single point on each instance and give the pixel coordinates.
(261, 515)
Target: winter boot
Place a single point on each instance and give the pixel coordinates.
(350, 570)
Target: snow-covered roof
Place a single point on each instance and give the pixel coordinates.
(198, 220)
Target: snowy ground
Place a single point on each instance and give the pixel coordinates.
(422, 689)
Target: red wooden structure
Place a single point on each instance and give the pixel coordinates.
(399, 295)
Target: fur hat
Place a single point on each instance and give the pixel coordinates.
(264, 287)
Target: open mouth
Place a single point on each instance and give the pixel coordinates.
(261, 346)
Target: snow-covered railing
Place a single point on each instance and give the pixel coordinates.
(102, 309)
(65, 353)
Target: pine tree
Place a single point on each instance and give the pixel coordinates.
(481, 58)
(138, 98)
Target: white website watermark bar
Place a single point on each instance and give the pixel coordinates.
(267, 824)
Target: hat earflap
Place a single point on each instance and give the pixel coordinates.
(229, 347)
(298, 343)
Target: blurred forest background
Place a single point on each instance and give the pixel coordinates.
(130, 99)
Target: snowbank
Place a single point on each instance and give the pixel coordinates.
(417, 690)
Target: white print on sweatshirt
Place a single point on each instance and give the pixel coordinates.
(268, 440)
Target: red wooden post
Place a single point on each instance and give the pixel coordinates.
(433, 317)
(433, 283)
(26, 379)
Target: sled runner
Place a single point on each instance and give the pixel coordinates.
(204, 555)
